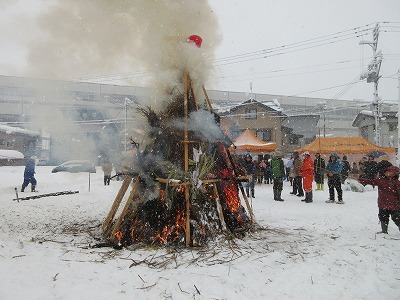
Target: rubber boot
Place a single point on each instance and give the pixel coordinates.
(22, 188)
(322, 186)
(279, 194)
(384, 228)
(318, 186)
(252, 193)
(309, 197)
(33, 188)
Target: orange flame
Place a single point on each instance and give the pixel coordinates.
(118, 235)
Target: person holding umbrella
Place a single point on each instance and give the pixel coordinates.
(370, 167)
(388, 196)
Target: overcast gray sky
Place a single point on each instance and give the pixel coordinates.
(331, 56)
(287, 47)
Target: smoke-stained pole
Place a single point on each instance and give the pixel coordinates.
(372, 75)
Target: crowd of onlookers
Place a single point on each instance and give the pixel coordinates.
(303, 171)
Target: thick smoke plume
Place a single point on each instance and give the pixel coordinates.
(98, 37)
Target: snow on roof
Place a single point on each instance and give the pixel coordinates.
(10, 154)
(367, 112)
(9, 130)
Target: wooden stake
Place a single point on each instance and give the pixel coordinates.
(186, 153)
(219, 208)
(125, 184)
(126, 207)
(208, 99)
(193, 95)
(247, 202)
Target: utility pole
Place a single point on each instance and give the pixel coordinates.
(398, 117)
(126, 121)
(322, 106)
(372, 75)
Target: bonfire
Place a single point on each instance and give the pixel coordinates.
(186, 185)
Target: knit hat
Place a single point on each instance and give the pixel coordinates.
(395, 170)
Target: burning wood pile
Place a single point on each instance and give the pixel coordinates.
(185, 183)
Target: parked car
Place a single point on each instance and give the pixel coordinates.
(76, 166)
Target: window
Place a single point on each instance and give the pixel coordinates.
(392, 126)
(293, 140)
(251, 113)
(364, 132)
(265, 134)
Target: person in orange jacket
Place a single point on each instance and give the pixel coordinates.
(307, 172)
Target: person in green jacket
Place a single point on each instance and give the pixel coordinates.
(278, 172)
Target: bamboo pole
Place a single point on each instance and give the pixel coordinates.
(186, 152)
(205, 181)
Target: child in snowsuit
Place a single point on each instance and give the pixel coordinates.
(278, 172)
(29, 175)
(334, 170)
(388, 196)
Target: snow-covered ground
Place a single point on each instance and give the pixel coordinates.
(306, 251)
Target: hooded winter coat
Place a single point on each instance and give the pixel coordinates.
(388, 191)
(334, 167)
(307, 171)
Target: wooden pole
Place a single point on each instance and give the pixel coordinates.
(186, 152)
(246, 200)
(125, 184)
(126, 207)
(219, 208)
(208, 99)
(193, 95)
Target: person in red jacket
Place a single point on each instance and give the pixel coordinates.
(307, 172)
(388, 196)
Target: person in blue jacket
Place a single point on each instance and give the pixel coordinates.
(334, 170)
(29, 175)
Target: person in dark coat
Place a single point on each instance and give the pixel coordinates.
(297, 180)
(370, 168)
(107, 168)
(383, 164)
(345, 169)
(268, 173)
(319, 171)
(250, 167)
(334, 170)
(29, 175)
(388, 196)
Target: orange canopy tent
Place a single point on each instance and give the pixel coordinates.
(344, 145)
(248, 142)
